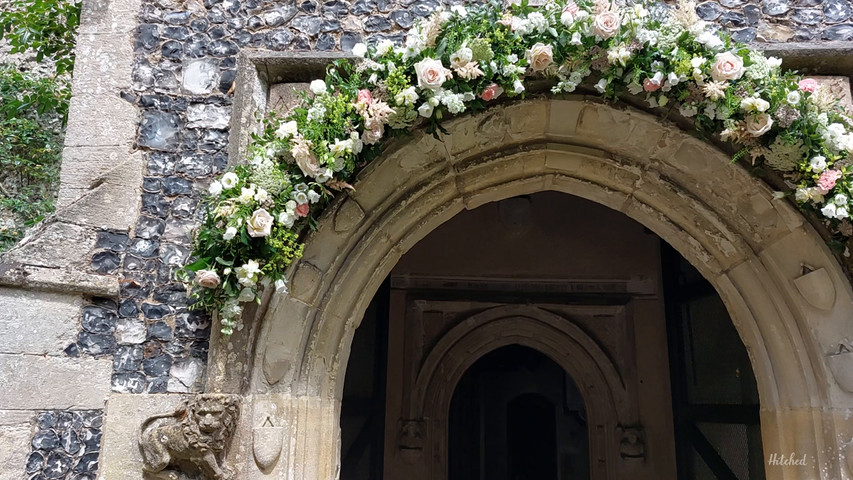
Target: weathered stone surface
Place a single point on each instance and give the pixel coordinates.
(34, 382)
(37, 322)
(200, 76)
(15, 435)
(208, 116)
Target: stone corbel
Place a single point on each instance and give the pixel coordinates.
(816, 287)
(632, 443)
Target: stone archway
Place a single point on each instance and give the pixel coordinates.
(604, 393)
(751, 247)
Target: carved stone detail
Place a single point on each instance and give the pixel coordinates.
(192, 440)
(632, 445)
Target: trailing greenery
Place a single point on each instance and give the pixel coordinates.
(33, 111)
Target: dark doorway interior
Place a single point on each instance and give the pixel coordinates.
(516, 415)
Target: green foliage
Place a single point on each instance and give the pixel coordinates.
(47, 27)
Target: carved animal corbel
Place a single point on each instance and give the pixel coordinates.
(192, 440)
(632, 445)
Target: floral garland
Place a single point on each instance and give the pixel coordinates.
(461, 59)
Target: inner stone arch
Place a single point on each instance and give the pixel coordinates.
(723, 221)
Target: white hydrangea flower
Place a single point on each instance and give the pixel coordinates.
(215, 188)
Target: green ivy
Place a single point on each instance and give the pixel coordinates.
(47, 27)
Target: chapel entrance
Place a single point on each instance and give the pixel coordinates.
(541, 337)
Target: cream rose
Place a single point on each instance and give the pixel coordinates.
(727, 66)
(540, 57)
(606, 24)
(431, 73)
(759, 124)
(260, 223)
(207, 278)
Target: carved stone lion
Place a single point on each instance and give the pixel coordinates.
(192, 439)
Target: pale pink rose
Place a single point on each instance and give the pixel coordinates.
(808, 85)
(492, 92)
(606, 24)
(207, 278)
(651, 85)
(571, 7)
(727, 66)
(260, 223)
(540, 57)
(827, 180)
(374, 135)
(302, 209)
(431, 73)
(759, 124)
(305, 159)
(364, 96)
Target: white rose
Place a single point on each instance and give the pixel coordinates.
(606, 24)
(540, 57)
(287, 130)
(260, 223)
(759, 124)
(215, 188)
(461, 57)
(802, 195)
(359, 50)
(384, 47)
(818, 163)
(727, 66)
(431, 73)
(230, 180)
(230, 232)
(207, 278)
(425, 110)
(318, 87)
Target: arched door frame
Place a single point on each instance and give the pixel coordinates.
(597, 378)
(749, 245)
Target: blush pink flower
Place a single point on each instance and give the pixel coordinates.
(651, 85)
(302, 209)
(571, 7)
(364, 96)
(827, 180)
(808, 85)
(491, 92)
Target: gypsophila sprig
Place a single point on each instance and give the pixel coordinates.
(462, 59)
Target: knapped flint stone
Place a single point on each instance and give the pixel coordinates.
(177, 186)
(115, 241)
(279, 15)
(134, 288)
(91, 438)
(183, 207)
(99, 320)
(732, 19)
(192, 324)
(837, 10)
(81, 476)
(35, 462)
(301, 42)
(807, 16)
(309, 25)
(57, 465)
(155, 205)
(174, 255)
(363, 6)
(96, 344)
(200, 76)
(157, 102)
(177, 18)
(105, 262)
(404, 19)
(252, 5)
(753, 14)
(385, 5)
(336, 8)
(151, 185)
(177, 230)
(147, 38)
(236, 23)
(842, 33)
(216, 15)
(279, 39)
(177, 348)
(46, 420)
(707, 11)
(185, 374)
(775, 7)
(127, 358)
(45, 440)
(104, 302)
(308, 6)
(176, 33)
(128, 383)
(349, 39)
(222, 48)
(136, 264)
(326, 42)
(159, 331)
(92, 418)
(66, 420)
(226, 80)
(213, 141)
(144, 247)
(195, 165)
(161, 164)
(72, 350)
(157, 385)
(158, 366)
(128, 309)
(199, 25)
(422, 8)
(243, 38)
(200, 348)
(218, 32)
(208, 116)
(376, 23)
(70, 442)
(130, 331)
(220, 162)
(150, 228)
(196, 47)
(155, 311)
(330, 26)
(160, 131)
(171, 293)
(172, 49)
(88, 463)
(255, 23)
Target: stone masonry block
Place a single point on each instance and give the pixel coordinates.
(103, 64)
(37, 322)
(54, 383)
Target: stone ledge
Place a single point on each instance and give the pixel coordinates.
(70, 281)
(54, 383)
